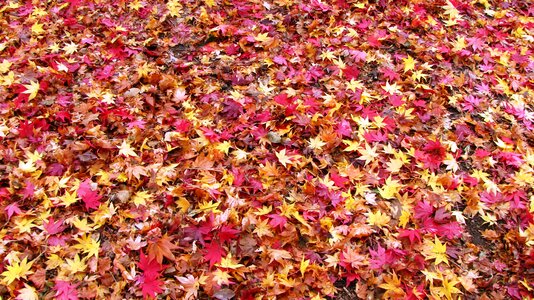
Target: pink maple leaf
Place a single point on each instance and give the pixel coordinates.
(90, 198)
(29, 190)
(277, 220)
(65, 290)
(413, 235)
(378, 258)
(12, 209)
(53, 227)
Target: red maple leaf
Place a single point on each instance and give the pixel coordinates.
(150, 267)
(150, 286)
(227, 233)
(412, 234)
(351, 72)
(213, 253)
(65, 290)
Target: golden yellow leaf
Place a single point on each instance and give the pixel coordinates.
(378, 218)
(17, 270)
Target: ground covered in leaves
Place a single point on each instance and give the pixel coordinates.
(266, 149)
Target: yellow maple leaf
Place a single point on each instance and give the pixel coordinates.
(4, 66)
(352, 146)
(174, 7)
(69, 198)
(404, 218)
(75, 265)
(32, 89)
(88, 245)
(81, 224)
(395, 165)
(390, 188)
(126, 150)
(447, 288)
(135, 5)
(409, 63)
(140, 198)
(378, 218)
(37, 28)
(17, 270)
(262, 37)
(391, 88)
(303, 266)
(224, 147)
(354, 85)
(437, 251)
(229, 262)
(221, 277)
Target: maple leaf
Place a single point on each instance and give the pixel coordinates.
(12, 209)
(150, 286)
(213, 253)
(17, 270)
(378, 218)
(437, 251)
(283, 158)
(190, 285)
(378, 258)
(65, 290)
(447, 288)
(76, 264)
(277, 220)
(150, 267)
(90, 198)
(140, 198)
(27, 293)
(390, 189)
(32, 89)
(70, 48)
(88, 245)
(161, 248)
(392, 286)
(126, 150)
(412, 234)
(53, 227)
(222, 277)
(227, 233)
(279, 255)
(409, 63)
(316, 143)
(368, 154)
(229, 262)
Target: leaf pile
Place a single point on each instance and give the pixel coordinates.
(266, 149)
